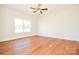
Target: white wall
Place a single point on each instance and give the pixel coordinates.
(7, 23)
(62, 22)
(0, 21)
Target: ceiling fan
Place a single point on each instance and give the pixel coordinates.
(39, 9)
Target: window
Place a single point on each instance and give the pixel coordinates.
(18, 26)
(27, 26)
(22, 26)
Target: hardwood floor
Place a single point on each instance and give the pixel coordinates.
(38, 45)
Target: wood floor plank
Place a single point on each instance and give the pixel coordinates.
(38, 45)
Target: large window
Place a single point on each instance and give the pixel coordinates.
(22, 26)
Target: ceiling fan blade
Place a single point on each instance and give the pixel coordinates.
(35, 11)
(32, 8)
(41, 12)
(44, 9)
(39, 5)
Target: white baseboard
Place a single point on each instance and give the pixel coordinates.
(66, 38)
(13, 38)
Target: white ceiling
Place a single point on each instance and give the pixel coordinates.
(26, 7)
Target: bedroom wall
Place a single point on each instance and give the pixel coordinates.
(63, 22)
(0, 22)
(7, 23)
